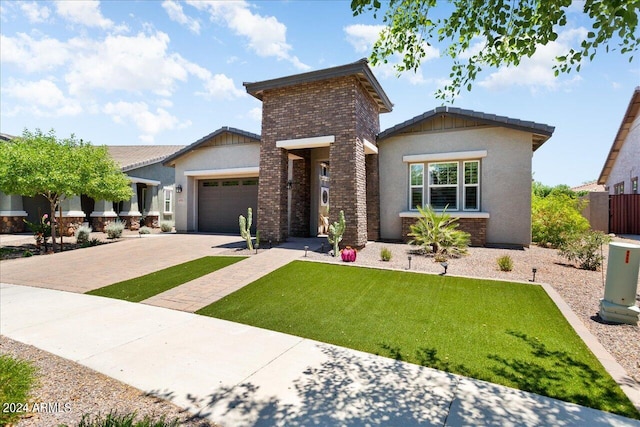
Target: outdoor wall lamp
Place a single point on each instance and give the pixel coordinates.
(445, 265)
(289, 184)
(409, 258)
(534, 270)
(178, 188)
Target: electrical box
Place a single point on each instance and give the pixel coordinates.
(623, 266)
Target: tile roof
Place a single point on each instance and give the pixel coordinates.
(544, 131)
(589, 186)
(135, 156)
(629, 117)
(359, 69)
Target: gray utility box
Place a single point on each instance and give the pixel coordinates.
(619, 302)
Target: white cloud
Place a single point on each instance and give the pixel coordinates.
(85, 12)
(148, 122)
(363, 37)
(33, 55)
(40, 98)
(537, 71)
(265, 34)
(175, 12)
(35, 13)
(255, 114)
(219, 86)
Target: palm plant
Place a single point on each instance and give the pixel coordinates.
(437, 232)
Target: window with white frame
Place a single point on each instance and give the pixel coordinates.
(451, 184)
(168, 200)
(443, 185)
(416, 183)
(471, 187)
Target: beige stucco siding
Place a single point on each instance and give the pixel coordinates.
(505, 178)
(627, 164)
(205, 159)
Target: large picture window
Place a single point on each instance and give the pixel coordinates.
(443, 185)
(454, 185)
(416, 184)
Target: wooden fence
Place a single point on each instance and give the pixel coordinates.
(624, 214)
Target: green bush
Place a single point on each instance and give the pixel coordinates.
(114, 230)
(585, 249)
(113, 419)
(144, 230)
(437, 232)
(555, 218)
(16, 379)
(82, 234)
(385, 254)
(505, 263)
(166, 226)
(94, 241)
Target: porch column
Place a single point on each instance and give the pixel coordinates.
(102, 215)
(152, 201)
(12, 214)
(72, 215)
(130, 214)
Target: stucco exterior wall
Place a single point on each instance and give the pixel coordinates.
(627, 163)
(206, 158)
(505, 178)
(597, 210)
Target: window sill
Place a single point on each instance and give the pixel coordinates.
(454, 214)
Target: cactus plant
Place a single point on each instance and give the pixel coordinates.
(336, 230)
(245, 227)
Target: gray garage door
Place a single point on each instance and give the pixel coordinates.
(221, 201)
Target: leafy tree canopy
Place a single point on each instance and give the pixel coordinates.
(511, 30)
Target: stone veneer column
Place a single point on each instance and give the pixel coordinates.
(151, 219)
(373, 197)
(130, 214)
(272, 192)
(301, 195)
(12, 214)
(102, 215)
(72, 216)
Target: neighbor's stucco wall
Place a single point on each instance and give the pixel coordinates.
(207, 158)
(505, 178)
(627, 163)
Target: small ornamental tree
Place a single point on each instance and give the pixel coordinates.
(58, 169)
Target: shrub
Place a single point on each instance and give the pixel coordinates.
(27, 253)
(82, 234)
(114, 230)
(94, 241)
(166, 226)
(144, 230)
(16, 379)
(113, 419)
(505, 263)
(555, 218)
(438, 232)
(585, 248)
(385, 254)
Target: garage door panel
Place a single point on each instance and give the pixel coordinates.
(220, 202)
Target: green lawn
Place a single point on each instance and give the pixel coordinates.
(505, 333)
(17, 377)
(146, 286)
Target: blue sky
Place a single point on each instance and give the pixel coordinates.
(162, 72)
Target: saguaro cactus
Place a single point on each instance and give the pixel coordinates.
(336, 230)
(245, 227)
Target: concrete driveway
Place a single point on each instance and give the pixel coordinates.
(86, 269)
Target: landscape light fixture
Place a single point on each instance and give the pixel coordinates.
(289, 184)
(269, 244)
(409, 258)
(306, 248)
(322, 248)
(445, 265)
(534, 270)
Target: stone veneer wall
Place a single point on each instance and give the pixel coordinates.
(477, 227)
(339, 107)
(70, 224)
(12, 224)
(152, 221)
(301, 195)
(99, 223)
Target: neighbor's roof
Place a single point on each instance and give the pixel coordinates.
(540, 131)
(360, 69)
(6, 137)
(623, 131)
(169, 161)
(589, 186)
(135, 156)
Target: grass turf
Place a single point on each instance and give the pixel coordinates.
(505, 333)
(16, 379)
(143, 287)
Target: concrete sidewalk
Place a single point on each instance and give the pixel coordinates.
(238, 375)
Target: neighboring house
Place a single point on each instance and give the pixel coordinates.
(596, 210)
(621, 171)
(152, 200)
(622, 166)
(321, 151)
